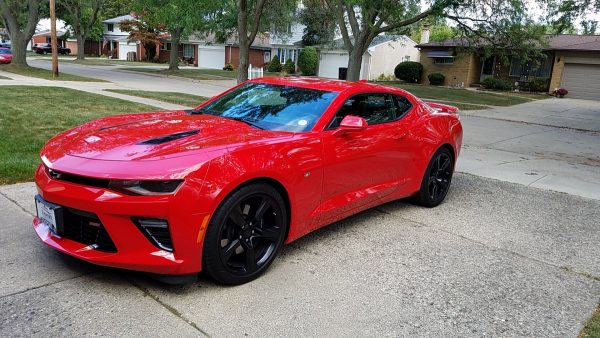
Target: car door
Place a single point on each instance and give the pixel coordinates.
(361, 166)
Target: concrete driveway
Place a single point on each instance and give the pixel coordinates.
(496, 259)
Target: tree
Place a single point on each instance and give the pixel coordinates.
(143, 33)
(437, 32)
(81, 15)
(308, 61)
(319, 23)
(248, 18)
(20, 18)
(180, 18)
(499, 25)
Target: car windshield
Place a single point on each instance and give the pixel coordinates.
(4, 51)
(272, 107)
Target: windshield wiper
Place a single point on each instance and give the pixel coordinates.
(199, 111)
(248, 122)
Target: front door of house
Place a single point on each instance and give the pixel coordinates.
(487, 69)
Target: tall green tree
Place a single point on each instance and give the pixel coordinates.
(246, 19)
(319, 23)
(497, 24)
(180, 18)
(82, 16)
(21, 18)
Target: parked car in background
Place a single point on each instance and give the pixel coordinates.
(45, 48)
(5, 56)
(5, 45)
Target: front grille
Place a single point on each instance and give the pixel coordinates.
(81, 180)
(85, 227)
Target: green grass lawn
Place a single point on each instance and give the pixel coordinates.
(468, 97)
(171, 97)
(592, 326)
(45, 74)
(93, 61)
(32, 115)
(196, 74)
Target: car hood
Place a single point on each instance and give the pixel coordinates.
(158, 136)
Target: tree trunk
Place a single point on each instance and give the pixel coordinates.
(19, 49)
(80, 47)
(244, 47)
(174, 55)
(354, 64)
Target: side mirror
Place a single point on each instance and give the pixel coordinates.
(353, 123)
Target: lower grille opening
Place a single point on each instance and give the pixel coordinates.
(85, 227)
(157, 232)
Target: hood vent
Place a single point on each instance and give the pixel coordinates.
(169, 138)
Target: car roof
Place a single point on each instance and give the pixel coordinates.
(324, 84)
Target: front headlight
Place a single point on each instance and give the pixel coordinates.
(135, 187)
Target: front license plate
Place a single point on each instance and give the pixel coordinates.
(50, 214)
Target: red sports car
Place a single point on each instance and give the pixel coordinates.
(222, 187)
(5, 56)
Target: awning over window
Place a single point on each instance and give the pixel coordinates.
(440, 54)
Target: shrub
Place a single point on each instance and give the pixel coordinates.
(409, 71)
(538, 84)
(275, 65)
(436, 79)
(289, 66)
(228, 66)
(383, 77)
(308, 61)
(497, 84)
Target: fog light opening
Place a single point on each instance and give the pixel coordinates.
(157, 232)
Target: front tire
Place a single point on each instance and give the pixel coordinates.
(245, 234)
(437, 179)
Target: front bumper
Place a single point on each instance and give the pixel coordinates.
(134, 251)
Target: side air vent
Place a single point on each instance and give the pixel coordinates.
(169, 138)
(157, 231)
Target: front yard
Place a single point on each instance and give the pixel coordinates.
(195, 74)
(45, 74)
(32, 115)
(183, 99)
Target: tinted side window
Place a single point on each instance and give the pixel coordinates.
(375, 108)
(403, 106)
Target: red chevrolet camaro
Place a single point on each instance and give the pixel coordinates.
(222, 187)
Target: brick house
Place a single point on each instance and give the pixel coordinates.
(572, 62)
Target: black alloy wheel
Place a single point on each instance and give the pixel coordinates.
(437, 179)
(245, 235)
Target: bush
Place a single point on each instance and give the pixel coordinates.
(383, 77)
(308, 61)
(497, 84)
(275, 65)
(228, 67)
(436, 79)
(409, 71)
(289, 67)
(538, 84)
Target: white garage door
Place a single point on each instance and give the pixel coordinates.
(330, 64)
(582, 81)
(126, 47)
(211, 57)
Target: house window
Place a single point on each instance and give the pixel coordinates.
(407, 58)
(267, 56)
(110, 27)
(188, 51)
(443, 61)
(165, 46)
(541, 68)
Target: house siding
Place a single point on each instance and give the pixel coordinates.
(386, 56)
(464, 71)
(232, 55)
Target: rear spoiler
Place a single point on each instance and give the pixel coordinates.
(443, 108)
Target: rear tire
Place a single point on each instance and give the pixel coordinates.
(245, 234)
(437, 179)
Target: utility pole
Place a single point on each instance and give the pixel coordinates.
(53, 38)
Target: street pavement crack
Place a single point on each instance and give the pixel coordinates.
(168, 307)
(45, 285)
(16, 203)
